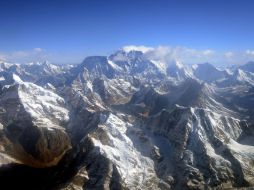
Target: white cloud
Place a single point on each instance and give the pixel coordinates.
(23, 56)
(39, 54)
(184, 54)
(192, 56)
(229, 54)
(2, 57)
(38, 49)
(208, 52)
(143, 49)
(250, 52)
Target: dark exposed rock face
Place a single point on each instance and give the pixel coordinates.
(125, 122)
(28, 138)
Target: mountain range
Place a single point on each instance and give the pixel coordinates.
(125, 121)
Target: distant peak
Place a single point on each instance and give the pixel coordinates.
(45, 62)
(206, 64)
(250, 63)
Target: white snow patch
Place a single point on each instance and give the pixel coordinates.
(17, 79)
(89, 85)
(115, 66)
(160, 65)
(2, 78)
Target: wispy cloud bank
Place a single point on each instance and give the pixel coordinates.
(192, 56)
(184, 54)
(143, 49)
(250, 52)
(39, 55)
(164, 53)
(36, 54)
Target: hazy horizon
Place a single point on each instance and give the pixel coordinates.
(64, 31)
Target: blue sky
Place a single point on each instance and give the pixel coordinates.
(69, 30)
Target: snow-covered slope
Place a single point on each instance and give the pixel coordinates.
(239, 77)
(31, 114)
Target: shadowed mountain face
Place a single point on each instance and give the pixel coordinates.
(249, 67)
(126, 122)
(208, 73)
